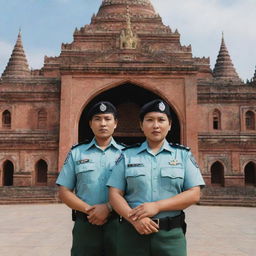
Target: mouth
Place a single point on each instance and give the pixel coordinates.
(103, 130)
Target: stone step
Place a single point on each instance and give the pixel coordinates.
(6, 201)
(243, 203)
(28, 191)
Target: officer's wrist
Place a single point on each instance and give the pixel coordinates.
(109, 206)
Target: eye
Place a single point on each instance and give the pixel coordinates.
(162, 119)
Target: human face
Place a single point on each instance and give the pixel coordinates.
(103, 125)
(155, 126)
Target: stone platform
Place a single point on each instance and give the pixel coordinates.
(45, 230)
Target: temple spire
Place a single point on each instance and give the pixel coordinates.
(224, 68)
(17, 65)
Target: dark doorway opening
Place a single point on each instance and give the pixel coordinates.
(128, 99)
(41, 172)
(8, 171)
(217, 174)
(250, 174)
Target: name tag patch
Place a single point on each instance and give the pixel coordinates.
(83, 161)
(135, 165)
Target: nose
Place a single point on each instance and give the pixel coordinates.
(103, 122)
(156, 124)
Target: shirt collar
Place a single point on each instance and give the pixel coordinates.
(94, 143)
(166, 146)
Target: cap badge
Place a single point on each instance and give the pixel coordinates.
(103, 107)
(161, 106)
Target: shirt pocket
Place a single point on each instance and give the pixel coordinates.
(172, 178)
(135, 178)
(86, 173)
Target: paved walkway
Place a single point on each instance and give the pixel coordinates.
(45, 230)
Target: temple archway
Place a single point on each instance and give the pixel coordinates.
(250, 174)
(128, 98)
(8, 170)
(41, 172)
(217, 174)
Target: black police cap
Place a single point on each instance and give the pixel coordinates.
(155, 106)
(102, 107)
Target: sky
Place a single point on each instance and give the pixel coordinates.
(45, 24)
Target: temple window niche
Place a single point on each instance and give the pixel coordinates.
(216, 120)
(42, 119)
(6, 119)
(250, 120)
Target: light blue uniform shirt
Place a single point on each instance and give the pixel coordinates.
(87, 169)
(147, 177)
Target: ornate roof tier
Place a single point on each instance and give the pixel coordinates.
(112, 16)
(17, 65)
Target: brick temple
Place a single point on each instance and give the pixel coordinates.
(128, 56)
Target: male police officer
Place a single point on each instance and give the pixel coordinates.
(86, 171)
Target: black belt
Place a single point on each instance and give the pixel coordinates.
(83, 216)
(168, 223)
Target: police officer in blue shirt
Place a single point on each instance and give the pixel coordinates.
(150, 185)
(85, 172)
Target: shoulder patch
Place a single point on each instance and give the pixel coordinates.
(176, 145)
(193, 160)
(67, 158)
(119, 158)
(132, 146)
(80, 143)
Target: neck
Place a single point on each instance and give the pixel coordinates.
(155, 145)
(103, 142)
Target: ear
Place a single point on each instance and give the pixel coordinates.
(116, 122)
(170, 123)
(141, 126)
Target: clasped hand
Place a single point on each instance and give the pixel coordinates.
(140, 217)
(145, 226)
(144, 210)
(97, 214)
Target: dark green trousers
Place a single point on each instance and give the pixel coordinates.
(93, 240)
(163, 243)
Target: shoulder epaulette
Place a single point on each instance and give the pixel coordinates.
(176, 145)
(132, 146)
(80, 143)
(122, 144)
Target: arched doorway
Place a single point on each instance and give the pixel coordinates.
(250, 174)
(217, 174)
(128, 98)
(41, 172)
(8, 170)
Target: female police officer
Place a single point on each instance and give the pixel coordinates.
(86, 171)
(150, 185)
